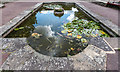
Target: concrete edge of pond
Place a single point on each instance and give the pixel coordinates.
(106, 24)
(92, 58)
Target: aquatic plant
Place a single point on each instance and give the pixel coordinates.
(81, 27)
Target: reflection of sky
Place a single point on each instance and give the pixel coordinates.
(47, 17)
(45, 30)
(72, 15)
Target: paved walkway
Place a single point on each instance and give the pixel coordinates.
(11, 10)
(108, 13)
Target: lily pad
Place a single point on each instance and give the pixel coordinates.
(82, 26)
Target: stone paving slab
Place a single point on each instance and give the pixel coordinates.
(113, 60)
(25, 58)
(102, 44)
(3, 56)
(91, 58)
(113, 42)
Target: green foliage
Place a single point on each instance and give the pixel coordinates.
(88, 28)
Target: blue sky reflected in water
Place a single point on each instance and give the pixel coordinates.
(47, 17)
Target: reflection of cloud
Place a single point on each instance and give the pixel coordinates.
(46, 30)
(74, 9)
(72, 16)
(67, 12)
(50, 32)
(47, 12)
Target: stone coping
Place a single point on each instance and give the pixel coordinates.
(23, 57)
(106, 24)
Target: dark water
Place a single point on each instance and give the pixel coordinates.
(52, 42)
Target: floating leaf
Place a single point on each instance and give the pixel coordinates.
(36, 35)
(72, 49)
(21, 28)
(78, 36)
(83, 40)
(69, 31)
(68, 55)
(16, 29)
(69, 34)
(102, 32)
(64, 31)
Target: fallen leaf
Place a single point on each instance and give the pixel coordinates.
(63, 31)
(83, 40)
(69, 34)
(78, 36)
(72, 49)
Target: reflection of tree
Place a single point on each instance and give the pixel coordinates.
(28, 28)
(67, 6)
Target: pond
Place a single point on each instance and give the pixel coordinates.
(61, 34)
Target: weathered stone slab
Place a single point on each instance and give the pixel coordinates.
(27, 59)
(113, 42)
(101, 43)
(92, 58)
(11, 44)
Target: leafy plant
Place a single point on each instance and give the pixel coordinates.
(84, 27)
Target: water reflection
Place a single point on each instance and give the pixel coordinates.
(54, 45)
